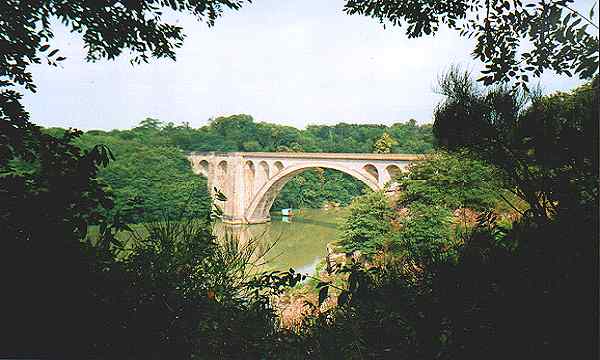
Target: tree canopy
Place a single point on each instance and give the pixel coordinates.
(151, 177)
(546, 146)
(514, 39)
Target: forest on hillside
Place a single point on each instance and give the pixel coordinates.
(151, 178)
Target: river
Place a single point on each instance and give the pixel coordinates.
(298, 242)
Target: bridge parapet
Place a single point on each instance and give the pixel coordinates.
(310, 155)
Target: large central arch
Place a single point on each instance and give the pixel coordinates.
(259, 208)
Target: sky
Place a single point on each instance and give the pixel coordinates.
(288, 62)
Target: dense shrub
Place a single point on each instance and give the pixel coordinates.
(452, 180)
(426, 234)
(524, 291)
(367, 226)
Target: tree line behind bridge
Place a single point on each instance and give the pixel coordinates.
(151, 177)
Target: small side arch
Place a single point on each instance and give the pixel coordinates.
(249, 175)
(222, 167)
(372, 171)
(199, 166)
(222, 177)
(278, 166)
(203, 167)
(264, 169)
(262, 175)
(393, 171)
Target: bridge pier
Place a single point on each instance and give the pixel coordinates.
(252, 181)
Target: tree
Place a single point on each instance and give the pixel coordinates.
(384, 144)
(49, 188)
(558, 34)
(431, 230)
(158, 178)
(452, 180)
(368, 225)
(149, 124)
(108, 28)
(546, 151)
(426, 234)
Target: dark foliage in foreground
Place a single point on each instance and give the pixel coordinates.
(169, 292)
(527, 292)
(491, 303)
(548, 151)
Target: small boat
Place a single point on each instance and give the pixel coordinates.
(287, 212)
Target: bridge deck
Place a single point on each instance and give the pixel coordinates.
(315, 155)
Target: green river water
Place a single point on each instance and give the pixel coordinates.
(298, 242)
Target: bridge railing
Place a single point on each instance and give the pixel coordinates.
(313, 155)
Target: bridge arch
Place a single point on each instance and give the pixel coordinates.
(222, 169)
(278, 165)
(203, 167)
(258, 210)
(393, 171)
(249, 175)
(372, 171)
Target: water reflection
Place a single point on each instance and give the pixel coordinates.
(297, 242)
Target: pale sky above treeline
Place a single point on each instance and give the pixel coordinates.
(286, 62)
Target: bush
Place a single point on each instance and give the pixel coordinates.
(426, 234)
(367, 226)
(452, 180)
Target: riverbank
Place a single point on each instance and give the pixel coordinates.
(298, 242)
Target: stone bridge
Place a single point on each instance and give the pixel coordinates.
(252, 180)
